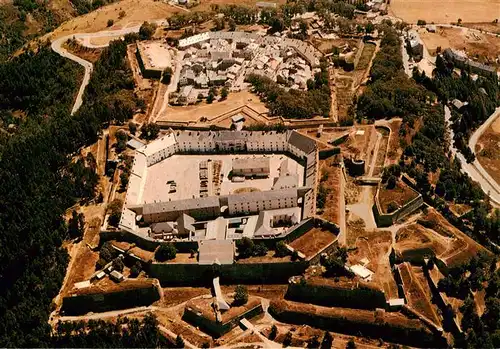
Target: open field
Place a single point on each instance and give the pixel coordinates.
(415, 291)
(438, 237)
(376, 246)
(313, 241)
(136, 12)
(485, 47)
(195, 112)
(445, 11)
(400, 195)
(487, 150)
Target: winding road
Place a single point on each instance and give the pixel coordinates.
(474, 169)
(57, 46)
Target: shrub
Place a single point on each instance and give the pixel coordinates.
(150, 131)
(245, 247)
(280, 249)
(136, 269)
(167, 76)
(288, 339)
(110, 22)
(118, 264)
(132, 127)
(273, 333)
(391, 182)
(240, 295)
(147, 30)
(327, 341)
(392, 207)
(165, 252)
(179, 342)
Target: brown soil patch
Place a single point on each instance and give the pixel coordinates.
(142, 254)
(394, 150)
(376, 246)
(265, 291)
(136, 12)
(268, 258)
(483, 46)
(400, 195)
(313, 241)
(177, 295)
(245, 190)
(446, 11)
(354, 315)
(107, 286)
(415, 237)
(88, 54)
(205, 307)
(418, 298)
(195, 112)
(332, 173)
(490, 27)
(487, 150)
(439, 236)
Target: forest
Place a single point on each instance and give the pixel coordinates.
(38, 183)
(427, 154)
(18, 18)
(482, 96)
(21, 82)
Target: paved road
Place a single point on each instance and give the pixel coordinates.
(85, 41)
(474, 169)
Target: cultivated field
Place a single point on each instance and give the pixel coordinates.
(487, 150)
(445, 11)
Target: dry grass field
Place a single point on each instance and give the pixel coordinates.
(438, 237)
(195, 112)
(376, 246)
(470, 11)
(418, 293)
(487, 150)
(331, 177)
(398, 196)
(313, 241)
(485, 48)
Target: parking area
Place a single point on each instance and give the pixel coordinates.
(192, 176)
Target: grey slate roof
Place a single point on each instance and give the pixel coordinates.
(181, 205)
(302, 142)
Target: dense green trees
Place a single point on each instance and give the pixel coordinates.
(240, 295)
(481, 94)
(390, 93)
(125, 333)
(165, 252)
(38, 182)
(294, 103)
(31, 84)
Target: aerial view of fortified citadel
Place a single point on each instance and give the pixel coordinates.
(249, 174)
